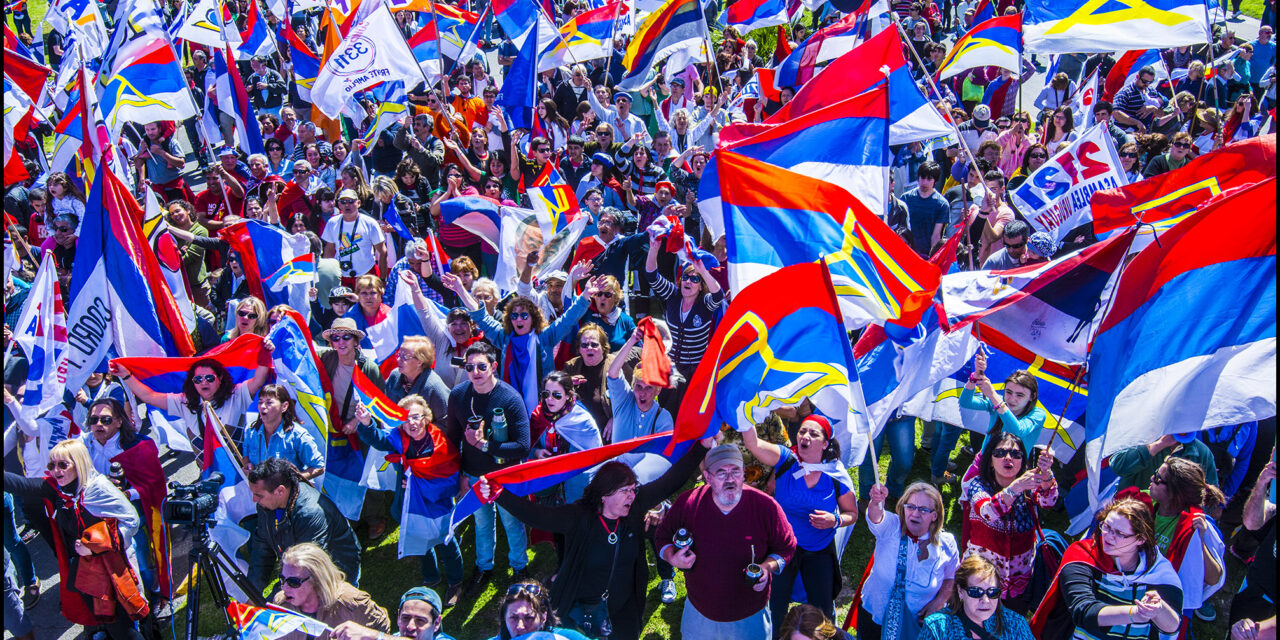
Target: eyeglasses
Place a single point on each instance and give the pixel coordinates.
(978, 592)
(604, 294)
(727, 474)
(1108, 530)
(207, 378)
(1182, 145)
(247, 314)
(691, 277)
(417, 417)
(405, 355)
(520, 315)
(1039, 156)
(347, 201)
(343, 337)
(59, 464)
(907, 506)
(293, 582)
(1016, 454)
(102, 420)
(1127, 154)
(478, 366)
(558, 395)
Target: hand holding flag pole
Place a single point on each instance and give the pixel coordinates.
(230, 444)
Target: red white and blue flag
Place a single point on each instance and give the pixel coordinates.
(256, 38)
(233, 100)
(300, 270)
(1189, 342)
(270, 622)
(827, 43)
(749, 15)
(1126, 69)
(41, 333)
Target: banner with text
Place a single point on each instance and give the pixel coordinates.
(1055, 198)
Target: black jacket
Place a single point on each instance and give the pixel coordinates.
(312, 518)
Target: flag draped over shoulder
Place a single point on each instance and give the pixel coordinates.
(1098, 26)
(781, 341)
(1189, 342)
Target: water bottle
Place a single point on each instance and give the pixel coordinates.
(682, 539)
(499, 426)
(117, 476)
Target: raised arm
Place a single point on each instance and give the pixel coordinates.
(615, 367)
(767, 453)
(139, 389)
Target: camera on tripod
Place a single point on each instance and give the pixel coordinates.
(190, 504)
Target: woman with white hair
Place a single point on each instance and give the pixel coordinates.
(93, 524)
(687, 132)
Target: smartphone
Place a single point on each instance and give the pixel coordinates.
(457, 362)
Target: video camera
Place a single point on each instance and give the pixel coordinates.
(190, 504)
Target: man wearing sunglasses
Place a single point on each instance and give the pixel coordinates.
(478, 408)
(1014, 250)
(1138, 103)
(63, 242)
(355, 239)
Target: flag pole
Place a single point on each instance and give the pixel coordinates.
(230, 445)
(444, 77)
(470, 38)
(1071, 392)
(613, 33)
(835, 303)
(973, 161)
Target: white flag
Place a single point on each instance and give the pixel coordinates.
(41, 332)
(373, 52)
(204, 26)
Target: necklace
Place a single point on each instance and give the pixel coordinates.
(613, 534)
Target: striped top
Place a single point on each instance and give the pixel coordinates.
(690, 332)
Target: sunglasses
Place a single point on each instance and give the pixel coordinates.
(59, 464)
(347, 201)
(589, 345)
(343, 337)
(544, 150)
(520, 315)
(1182, 145)
(923, 510)
(247, 314)
(1016, 454)
(691, 277)
(978, 592)
(293, 582)
(605, 294)
(1128, 155)
(301, 171)
(480, 366)
(558, 395)
(531, 589)
(102, 420)
(62, 229)
(206, 378)
(1020, 245)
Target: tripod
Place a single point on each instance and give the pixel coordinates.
(209, 562)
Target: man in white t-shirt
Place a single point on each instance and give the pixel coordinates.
(354, 239)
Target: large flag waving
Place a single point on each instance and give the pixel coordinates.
(780, 342)
(677, 26)
(119, 297)
(996, 42)
(298, 368)
(585, 37)
(41, 332)
(767, 227)
(1190, 340)
(373, 52)
(1099, 26)
(146, 85)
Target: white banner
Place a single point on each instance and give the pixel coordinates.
(373, 52)
(1055, 198)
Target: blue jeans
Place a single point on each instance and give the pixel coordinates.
(695, 625)
(945, 437)
(449, 555)
(487, 537)
(17, 550)
(901, 434)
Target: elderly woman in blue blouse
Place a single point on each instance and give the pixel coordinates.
(525, 339)
(277, 434)
(915, 564)
(975, 610)
(1015, 412)
(815, 493)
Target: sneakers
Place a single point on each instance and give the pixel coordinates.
(668, 589)
(478, 581)
(1207, 613)
(30, 596)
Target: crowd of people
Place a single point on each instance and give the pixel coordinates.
(562, 363)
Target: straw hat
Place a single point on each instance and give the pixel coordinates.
(342, 325)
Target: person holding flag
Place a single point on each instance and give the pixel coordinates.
(419, 448)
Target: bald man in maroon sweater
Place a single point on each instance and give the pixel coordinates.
(732, 526)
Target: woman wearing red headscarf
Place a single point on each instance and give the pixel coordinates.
(816, 493)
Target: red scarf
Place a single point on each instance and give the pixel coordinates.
(655, 365)
(443, 462)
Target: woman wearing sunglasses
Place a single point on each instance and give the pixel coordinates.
(93, 524)
(691, 307)
(525, 340)
(1130, 162)
(974, 610)
(559, 425)
(1114, 584)
(207, 381)
(1000, 513)
(606, 312)
(914, 564)
(110, 438)
(603, 571)
(251, 318)
(1179, 153)
(311, 584)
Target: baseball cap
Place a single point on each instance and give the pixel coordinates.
(426, 595)
(603, 158)
(343, 293)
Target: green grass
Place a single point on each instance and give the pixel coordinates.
(385, 577)
(1252, 8)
